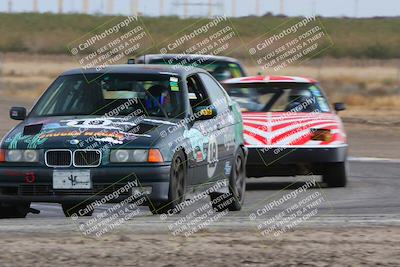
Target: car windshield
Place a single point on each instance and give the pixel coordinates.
(221, 70)
(278, 97)
(156, 95)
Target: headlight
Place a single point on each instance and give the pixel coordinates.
(31, 156)
(21, 156)
(324, 135)
(14, 155)
(120, 156)
(134, 155)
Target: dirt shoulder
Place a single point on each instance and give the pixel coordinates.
(306, 247)
(373, 133)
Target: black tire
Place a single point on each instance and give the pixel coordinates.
(177, 185)
(233, 200)
(70, 209)
(335, 174)
(9, 211)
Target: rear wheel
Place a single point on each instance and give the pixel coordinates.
(335, 174)
(75, 208)
(177, 184)
(233, 200)
(9, 211)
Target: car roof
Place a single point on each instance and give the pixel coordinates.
(137, 69)
(270, 79)
(192, 56)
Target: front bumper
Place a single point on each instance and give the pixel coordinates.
(16, 184)
(288, 161)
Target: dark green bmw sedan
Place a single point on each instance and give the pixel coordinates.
(119, 131)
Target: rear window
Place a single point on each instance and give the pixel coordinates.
(278, 97)
(221, 70)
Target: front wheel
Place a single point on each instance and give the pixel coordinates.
(9, 211)
(177, 184)
(233, 200)
(335, 174)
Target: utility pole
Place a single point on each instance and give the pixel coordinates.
(258, 8)
(161, 8)
(60, 6)
(282, 7)
(10, 4)
(135, 7)
(35, 6)
(185, 9)
(314, 8)
(110, 7)
(355, 8)
(85, 6)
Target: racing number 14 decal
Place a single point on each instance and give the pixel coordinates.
(212, 156)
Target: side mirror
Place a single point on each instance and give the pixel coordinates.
(204, 112)
(18, 113)
(340, 106)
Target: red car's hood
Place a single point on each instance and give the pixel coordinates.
(291, 129)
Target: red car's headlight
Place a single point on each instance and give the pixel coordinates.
(321, 135)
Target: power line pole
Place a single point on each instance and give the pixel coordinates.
(355, 8)
(10, 4)
(135, 7)
(314, 8)
(60, 6)
(282, 7)
(185, 9)
(85, 6)
(161, 8)
(258, 7)
(35, 6)
(110, 7)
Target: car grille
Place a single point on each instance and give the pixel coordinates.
(58, 158)
(87, 158)
(80, 158)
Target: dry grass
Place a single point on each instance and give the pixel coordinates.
(362, 84)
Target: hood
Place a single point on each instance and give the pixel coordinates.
(84, 132)
(291, 129)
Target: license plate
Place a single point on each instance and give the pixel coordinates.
(74, 179)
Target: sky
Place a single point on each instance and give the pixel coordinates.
(328, 8)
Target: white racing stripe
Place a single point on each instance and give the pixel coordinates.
(290, 136)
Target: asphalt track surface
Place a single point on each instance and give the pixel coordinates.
(371, 198)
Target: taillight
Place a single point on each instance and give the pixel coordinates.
(321, 135)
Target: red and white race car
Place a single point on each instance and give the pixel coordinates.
(290, 128)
